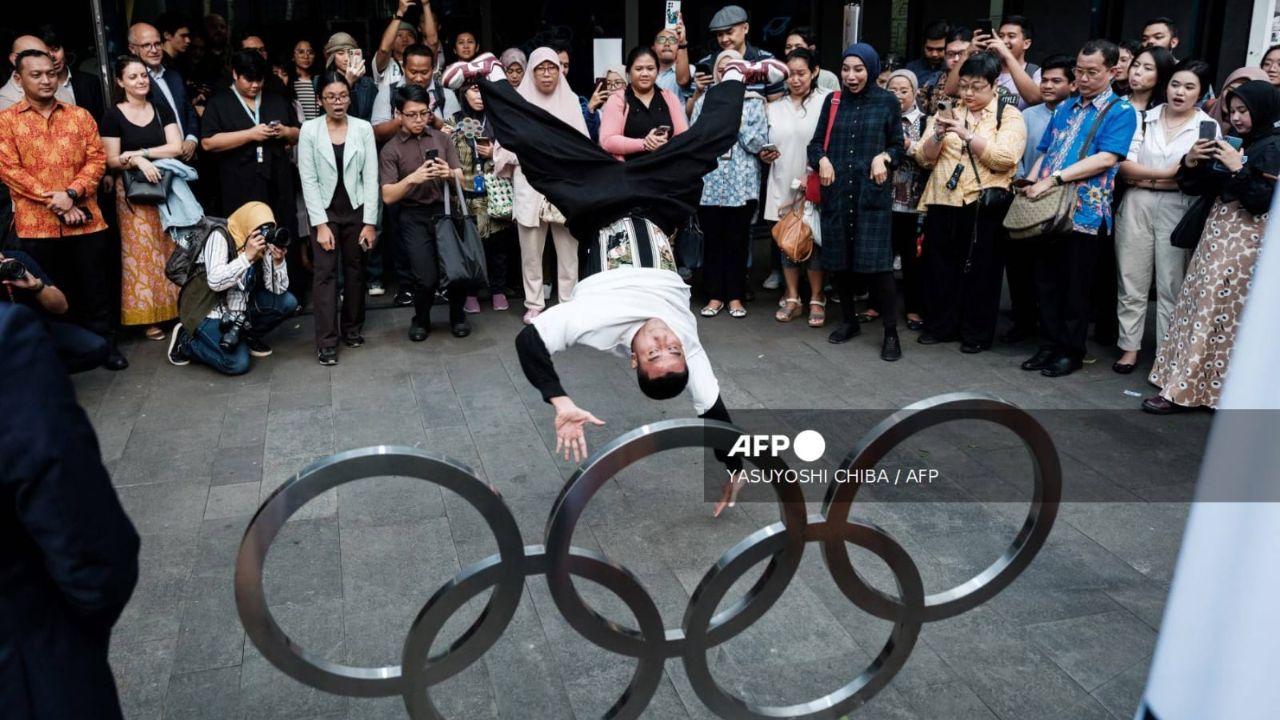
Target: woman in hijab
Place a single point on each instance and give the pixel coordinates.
(854, 166)
(1217, 107)
(513, 63)
(1193, 357)
(473, 138)
(342, 54)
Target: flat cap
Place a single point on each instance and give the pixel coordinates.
(728, 16)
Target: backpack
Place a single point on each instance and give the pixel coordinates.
(190, 248)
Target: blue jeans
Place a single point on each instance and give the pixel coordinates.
(266, 311)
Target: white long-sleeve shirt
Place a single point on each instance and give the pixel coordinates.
(231, 275)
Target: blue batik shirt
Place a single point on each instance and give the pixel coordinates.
(1061, 147)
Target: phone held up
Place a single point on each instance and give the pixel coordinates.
(672, 14)
(1208, 130)
(984, 25)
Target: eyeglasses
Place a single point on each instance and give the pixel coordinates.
(337, 98)
(616, 84)
(546, 70)
(420, 115)
(667, 40)
(148, 46)
(1091, 73)
(973, 87)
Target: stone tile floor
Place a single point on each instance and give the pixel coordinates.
(193, 454)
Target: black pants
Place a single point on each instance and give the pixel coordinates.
(346, 229)
(1019, 258)
(725, 232)
(76, 265)
(1106, 328)
(79, 349)
(905, 233)
(497, 248)
(418, 233)
(884, 296)
(1064, 283)
(963, 274)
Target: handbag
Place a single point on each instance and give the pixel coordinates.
(813, 184)
(1187, 234)
(138, 190)
(459, 250)
(549, 213)
(499, 196)
(689, 244)
(793, 235)
(1052, 212)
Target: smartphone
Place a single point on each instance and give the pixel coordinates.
(1236, 143)
(355, 56)
(430, 155)
(482, 141)
(943, 108)
(273, 124)
(769, 147)
(702, 68)
(984, 25)
(673, 14)
(1208, 130)
(601, 83)
(664, 130)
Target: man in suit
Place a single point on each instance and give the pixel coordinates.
(166, 85)
(68, 553)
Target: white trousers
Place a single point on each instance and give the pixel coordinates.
(532, 242)
(1144, 222)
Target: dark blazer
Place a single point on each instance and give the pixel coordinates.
(88, 92)
(185, 112)
(68, 553)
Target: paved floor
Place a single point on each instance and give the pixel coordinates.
(193, 454)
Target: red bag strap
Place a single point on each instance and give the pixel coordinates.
(831, 119)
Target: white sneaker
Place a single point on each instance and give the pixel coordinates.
(773, 282)
(767, 72)
(460, 73)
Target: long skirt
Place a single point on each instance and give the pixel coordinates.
(146, 295)
(1192, 360)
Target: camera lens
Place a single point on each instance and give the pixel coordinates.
(12, 270)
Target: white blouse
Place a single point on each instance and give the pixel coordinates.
(791, 129)
(1149, 147)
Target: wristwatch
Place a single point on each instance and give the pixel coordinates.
(1057, 179)
(398, 17)
(71, 193)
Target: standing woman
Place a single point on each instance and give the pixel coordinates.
(338, 163)
(1149, 75)
(1152, 208)
(983, 142)
(908, 184)
(544, 86)
(302, 80)
(513, 64)
(465, 48)
(729, 195)
(1217, 107)
(857, 203)
(473, 138)
(630, 122)
(792, 121)
(1193, 358)
(135, 132)
(341, 53)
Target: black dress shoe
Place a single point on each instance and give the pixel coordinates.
(928, 338)
(1039, 361)
(891, 350)
(461, 330)
(404, 298)
(116, 360)
(353, 341)
(1061, 367)
(1123, 368)
(969, 348)
(418, 331)
(1159, 406)
(844, 332)
(915, 325)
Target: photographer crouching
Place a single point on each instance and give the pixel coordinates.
(24, 282)
(236, 293)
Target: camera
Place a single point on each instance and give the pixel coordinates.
(954, 181)
(12, 270)
(233, 327)
(275, 235)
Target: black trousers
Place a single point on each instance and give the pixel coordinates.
(726, 240)
(418, 233)
(346, 251)
(497, 248)
(963, 274)
(79, 349)
(905, 233)
(1019, 259)
(76, 264)
(884, 296)
(1106, 327)
(1064, 283)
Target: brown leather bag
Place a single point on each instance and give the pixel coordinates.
(793, 235)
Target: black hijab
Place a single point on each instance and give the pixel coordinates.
(1263, 102)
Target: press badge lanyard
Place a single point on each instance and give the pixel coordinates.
(255, 114)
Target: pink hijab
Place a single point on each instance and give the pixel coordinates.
(1218, 111)
(562, 102)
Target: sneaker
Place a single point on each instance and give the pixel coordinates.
(327, 356)
(178, 347)
(460, 73)
(404, 298)
(767, 72)
(472, 305)
(257, 348)
(530, 315)
(500, 302)
(376, 289)
(773, 282)
(353, 341)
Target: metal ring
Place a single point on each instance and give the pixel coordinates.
(986, 584)
(612, 459)
(766, 543)
(296, 661)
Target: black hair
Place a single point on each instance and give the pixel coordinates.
(1270, 50)
(171, 23)
(959, 33)
(249, 65)
(17, 61)
(1163, 20)
(663, 387)
(1199, 68)
(330, 77)
(560, 46)
(937, 30)
(1065, 63)
(49, 35)
(406, 94)
(1165, 64)
(806, 34)
(117, 71)
(1028, 30)
(637, 52)
(812, 62)
(983, 65)
(1110, 51)
(252, 32)
(1133, 46)
(890, 62)
(419, 50)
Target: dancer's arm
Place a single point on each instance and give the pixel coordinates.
(571, 420)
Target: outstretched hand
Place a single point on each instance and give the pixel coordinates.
(729, 493)
(571, 421)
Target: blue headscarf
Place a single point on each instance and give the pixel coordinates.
(868, 56)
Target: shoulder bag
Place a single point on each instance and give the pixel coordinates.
(813, 184)
(138, 190)
(1187, 234)
(1050, 213)
(459, 251)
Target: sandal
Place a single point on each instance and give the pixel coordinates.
(155, 333)
(818, 317)
(789, 310)
(867, 317)
(710, 311)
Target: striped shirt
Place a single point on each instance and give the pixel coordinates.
(236, 276)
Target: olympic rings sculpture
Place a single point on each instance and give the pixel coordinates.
(781, 544)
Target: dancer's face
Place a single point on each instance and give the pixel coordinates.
(657, 350)
(546, 77)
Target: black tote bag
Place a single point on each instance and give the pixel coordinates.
(458, 246)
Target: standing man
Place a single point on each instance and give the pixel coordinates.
(419, 69)
(175, 30)
(672, 48)
(1064, 268)
(731, 26)
(11, 92)
(934, 61)
(945, 84)
(1160, 32)
(68, 553)
(414, 166)
(83, 88)
(388, 61)
(1019, 81)
(167, 86)
(52, 160)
